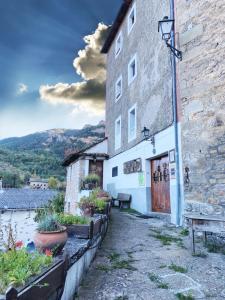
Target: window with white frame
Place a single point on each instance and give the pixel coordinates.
(118, 133)
(131, 18)
(132, 123)
(132, 69)
(118, 88)
(119, 44)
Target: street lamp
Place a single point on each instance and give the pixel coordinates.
(166, 27)
(147, 137)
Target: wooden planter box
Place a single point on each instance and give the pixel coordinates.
(82, 231)
(85, 231)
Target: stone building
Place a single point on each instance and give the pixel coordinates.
(200, 31)
(79, 165)
(38, 183)
(138, 95)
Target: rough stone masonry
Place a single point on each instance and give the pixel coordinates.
(200, 34)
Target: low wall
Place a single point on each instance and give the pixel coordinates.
(79, 268)
(62, 280)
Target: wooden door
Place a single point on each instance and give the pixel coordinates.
(96, 167)
(160, 183)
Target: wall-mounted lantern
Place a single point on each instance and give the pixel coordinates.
(147, 137)
(166, 27)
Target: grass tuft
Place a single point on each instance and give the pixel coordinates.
(113, 256)
(102, 267)
(153, 277)
(124, 264)
(167, 239)
(184, 232)
(181, 296)
(178, 268)
(163, 285)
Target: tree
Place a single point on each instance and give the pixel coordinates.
(53, 183)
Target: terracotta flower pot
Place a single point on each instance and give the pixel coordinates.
(89, 211)
(52, 240)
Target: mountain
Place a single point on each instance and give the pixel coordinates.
(41, 153)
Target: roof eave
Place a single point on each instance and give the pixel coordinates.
(116, 25)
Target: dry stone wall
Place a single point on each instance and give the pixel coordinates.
(201, 36)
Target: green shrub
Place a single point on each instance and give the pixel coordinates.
(71, 219)
(100, 204)
(17, 266)
(92, 178)
(56, 206)
(49, 224)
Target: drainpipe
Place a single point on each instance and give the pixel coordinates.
(175, 118)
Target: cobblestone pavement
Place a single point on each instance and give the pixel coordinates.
(149, 259)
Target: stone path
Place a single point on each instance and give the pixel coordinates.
(149, 259)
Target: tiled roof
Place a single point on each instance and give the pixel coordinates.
(75, 155)
(25, 198)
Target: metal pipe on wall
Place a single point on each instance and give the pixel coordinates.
(175, 118)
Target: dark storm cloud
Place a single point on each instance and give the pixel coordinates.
(90, 65)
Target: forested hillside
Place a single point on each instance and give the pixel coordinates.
(42, 153)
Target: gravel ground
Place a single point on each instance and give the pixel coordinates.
(150, 259)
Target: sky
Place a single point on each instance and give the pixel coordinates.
(52, 74)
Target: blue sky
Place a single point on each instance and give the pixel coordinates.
(39, 41)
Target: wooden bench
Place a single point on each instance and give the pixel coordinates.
(124, 200)
(204, 223)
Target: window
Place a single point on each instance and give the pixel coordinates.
(132, 123)
(114, 171)
(119, 44)
(131, 18)
(118, 88)
(132, 69)
(118, 133)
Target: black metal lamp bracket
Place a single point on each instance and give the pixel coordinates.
(174, 50)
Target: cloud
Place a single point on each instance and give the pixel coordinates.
(91, 66)
(22, 88)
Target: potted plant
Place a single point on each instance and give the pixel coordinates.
(87, 205)
(50, 235)
(100, 206)
(79, 226)
(101, 194)
(91, 181)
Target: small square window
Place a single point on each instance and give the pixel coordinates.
(132, 123)
(132, 69)
(119, 44)
(118, 89)
(114, 171)
(131, 18)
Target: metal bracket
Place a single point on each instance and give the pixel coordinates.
(174, 50)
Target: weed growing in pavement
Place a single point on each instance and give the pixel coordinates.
(163, 285)
(124, 264)
(155, 278)
(162, 266)
(178, 268)
(113, 256)
(184, 232)
(181, 296)
(166, 239)
(104, 268)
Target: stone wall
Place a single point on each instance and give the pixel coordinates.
(152, 89)
(200, 33)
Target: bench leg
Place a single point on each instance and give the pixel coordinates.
(193, 240)
(205, 238)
